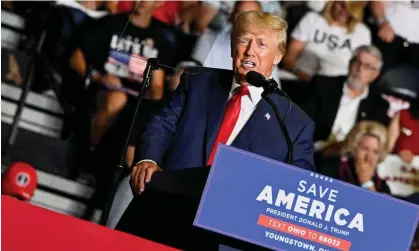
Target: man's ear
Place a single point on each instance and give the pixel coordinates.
(278, 58)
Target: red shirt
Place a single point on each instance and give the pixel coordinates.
(168, 12)
(125, 6)
(409, 133)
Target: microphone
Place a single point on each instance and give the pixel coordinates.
(258, 80)
(270, 86)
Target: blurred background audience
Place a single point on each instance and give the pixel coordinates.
(118, 61)
(397, 35)
(337, 103)
(364, 148)
(323, 43)
(404, 134)
(351, 65)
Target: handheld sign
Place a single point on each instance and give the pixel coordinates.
(281, 207)
(402, 178)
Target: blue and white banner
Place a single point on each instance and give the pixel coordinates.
(281, 207)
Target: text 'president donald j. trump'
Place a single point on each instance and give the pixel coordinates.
(212, 106)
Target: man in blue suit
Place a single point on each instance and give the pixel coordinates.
(212, 106)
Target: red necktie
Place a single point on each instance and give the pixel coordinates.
(231, 116)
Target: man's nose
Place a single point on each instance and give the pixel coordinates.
(250, 49)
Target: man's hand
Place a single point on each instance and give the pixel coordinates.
(111, 80)
(406, 156)
(141, 174)
(386, 33)
(303, 75)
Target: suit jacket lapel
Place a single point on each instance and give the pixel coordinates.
(332, 100)
(219, 91)
(363, 109)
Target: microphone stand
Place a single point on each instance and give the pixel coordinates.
(27, 83)
(273, 88)
(152, 64)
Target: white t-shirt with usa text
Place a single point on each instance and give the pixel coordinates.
(328, 47)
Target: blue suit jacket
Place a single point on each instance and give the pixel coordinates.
(183, 134)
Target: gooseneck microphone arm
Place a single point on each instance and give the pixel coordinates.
(270, 86)
(283, 127)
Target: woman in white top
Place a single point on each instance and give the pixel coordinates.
(323, 43)
(398, 31)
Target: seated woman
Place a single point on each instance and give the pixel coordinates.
(365, 147)
(323, 44)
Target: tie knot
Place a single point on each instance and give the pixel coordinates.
(243, 90)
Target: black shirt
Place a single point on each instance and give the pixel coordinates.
(115, 46)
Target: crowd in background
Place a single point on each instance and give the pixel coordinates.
(355, 65)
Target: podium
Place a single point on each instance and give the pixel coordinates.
(165, 212)
(249, 200)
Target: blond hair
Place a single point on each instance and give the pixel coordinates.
(355, 9)
(366, 128)
(261, 21)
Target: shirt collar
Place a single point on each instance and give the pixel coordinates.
(362, 96)
(255, 92)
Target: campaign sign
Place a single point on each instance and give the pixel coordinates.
(281, 207)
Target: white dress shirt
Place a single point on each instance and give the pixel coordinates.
(248, 105)
(346, 115)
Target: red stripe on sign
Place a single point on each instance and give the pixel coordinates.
(304, 233)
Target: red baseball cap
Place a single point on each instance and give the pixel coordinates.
(20, 180)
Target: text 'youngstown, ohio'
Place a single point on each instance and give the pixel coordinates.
(289, 241)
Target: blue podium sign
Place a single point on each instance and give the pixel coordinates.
(281, 207)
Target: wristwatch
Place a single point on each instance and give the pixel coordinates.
(381, 20)
(367, 184)
(294, 70)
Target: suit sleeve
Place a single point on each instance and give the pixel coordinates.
(158, 133)
(304, 149)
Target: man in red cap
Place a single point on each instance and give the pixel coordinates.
(19, 181)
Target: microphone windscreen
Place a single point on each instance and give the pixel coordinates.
(255, 78)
